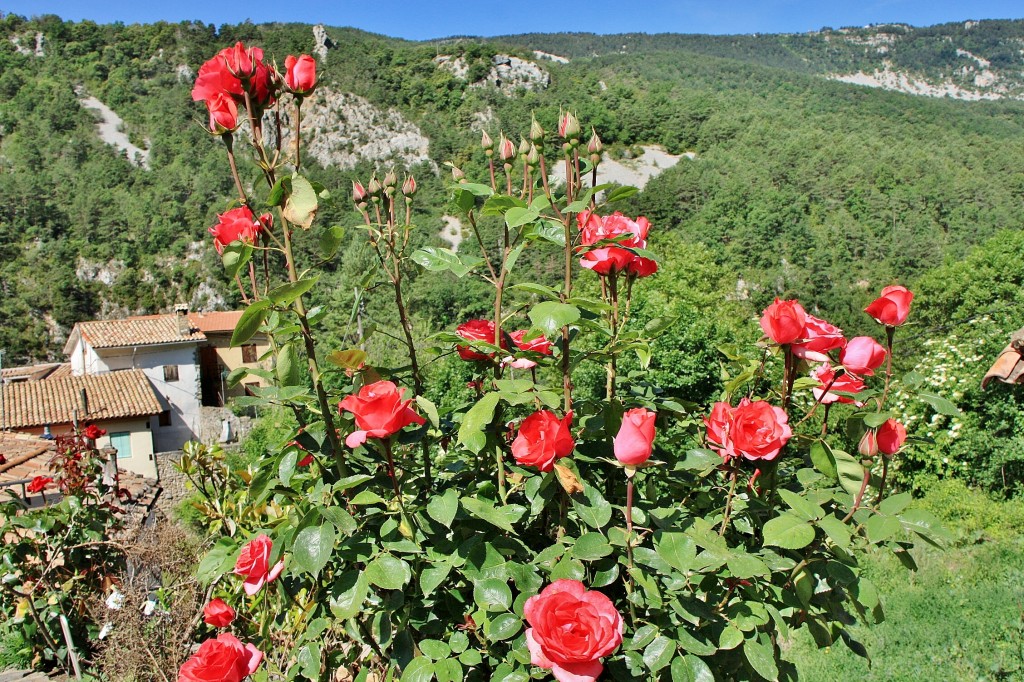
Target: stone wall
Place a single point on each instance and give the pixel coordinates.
(210, 425)
(172, 481)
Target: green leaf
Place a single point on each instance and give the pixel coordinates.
(236, 254)
(330, 240)
(313, 547)
(676, 549)
(301, 205)
(341, 519)
(448, 670)
(823, 459)
(620, 193)
(388, 572)
(492, 595)
(435, 649)
(484, 511)
(788, 531)
(289, 367)
(690, 668)
(219, 559)
(875, 419)
(277, 192)
(896, 503)
(349, 600)
(591, 547)
(940, 404)
(538, 289)
(430, 409)
(517, 217)
(761, 659)
(924, 524)
(436, 259)
(285, 294)
(443, 508)
(433, 576)
(743, 565)
(504, 626)
(801, 505)
(550, 316)
(477, 189)
(593, 509)
(700, 460)
(472, 432)
(286, 467)
(838, 531)
(881, 527)
(659, 653)
(249, 322)
(309, 660)
(851, 473)
(420, 669)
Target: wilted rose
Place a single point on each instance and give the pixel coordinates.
(828, 381)
(819, 338)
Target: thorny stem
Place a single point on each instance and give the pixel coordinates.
(889, 332)
(817, 402)
(860, 495)
(629, 539)
(881, 486)
(787, 389)
(386, 442)
(566, 295)
(298, 130)
(613, 294)
(728, 501)
(483, 249)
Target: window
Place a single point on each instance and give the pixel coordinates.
(170, 372)
(164, 418)
(122, 442)
(249, 353)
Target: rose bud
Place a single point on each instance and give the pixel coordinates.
(862, 356)
(223, 113)
(409, 186)
(358, 193)
(634, 442)
(486, 143)
(506, 149)
(868, 446)
(891, 436)
(784, 321)
(524, 147)
(301, 74)
(892, 307)
(569, 127)
(374, 188)
(218, 614)
(536, 132)
(533, 156)
(458, 175)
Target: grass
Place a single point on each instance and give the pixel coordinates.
(959, 617)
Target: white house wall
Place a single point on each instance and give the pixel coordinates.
(181, 396)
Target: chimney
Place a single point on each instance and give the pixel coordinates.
(184, 326)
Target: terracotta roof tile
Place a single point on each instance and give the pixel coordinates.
(224, 322)
(114, 395)
(22, 456)
(143, 330)
(30, 372)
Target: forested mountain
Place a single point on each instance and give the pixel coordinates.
(795, 184)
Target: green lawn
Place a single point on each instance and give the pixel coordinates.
(960, 617)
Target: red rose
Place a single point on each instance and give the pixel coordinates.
(478, 330)
(224, 74)
(752, 430)
(538, 345)
(542, 439)
(892, 307)
(862, 356)
(238, 225)
(218, 614)
(820, 337)
(223, 113)
(214, 77)
(38, 484)
(846, 383)
(301, 74)
(784, 321)
(571, 629)
(379, 411)
(609, 259)
(254, 563)
(224, 659)
(305, 461)
(890, 436)
(93, 432)
(634, 442)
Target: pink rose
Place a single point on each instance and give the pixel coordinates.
(862, 356)
(846, 383)
(634, 442)
(379, 411)
(254, 563)
(784, 321)
(542, 439)
(223, 113)
(613, 258)
(238, 225)
(224, 659)
(301, 74)
(892, 307)
(478, 330)
(890, 436)
(571, 629)
(820, 337)
(752, 430)
(218, 614)
(538, 345)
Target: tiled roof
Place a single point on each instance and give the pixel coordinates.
(50, 370)
(224, 322)
(114, 395)
(1009, 366)
(137, 331)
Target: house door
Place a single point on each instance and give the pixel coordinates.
(122, 442)
(209, 377)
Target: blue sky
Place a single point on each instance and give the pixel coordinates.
(420, 20)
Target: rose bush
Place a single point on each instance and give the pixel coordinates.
(530, 529)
